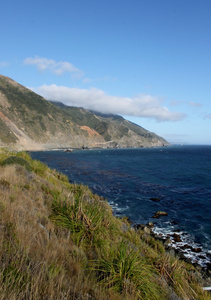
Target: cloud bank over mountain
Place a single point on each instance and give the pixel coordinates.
(95, 99)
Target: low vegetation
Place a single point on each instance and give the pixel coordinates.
(60, 241)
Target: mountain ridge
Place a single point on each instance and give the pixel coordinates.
(30, 122)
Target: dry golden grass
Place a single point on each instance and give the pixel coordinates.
(51, 262)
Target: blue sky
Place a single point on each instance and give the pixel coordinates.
(147, 60)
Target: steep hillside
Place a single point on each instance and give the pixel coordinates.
(28, 121)
(59, 241)
(115, 129)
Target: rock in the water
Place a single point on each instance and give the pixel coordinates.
(174, 223)
(68, 150)
(186, 246)
(160, 213)
(177, 238)
(155, 199)
(196, 250)
(151, 225)
(176, 230)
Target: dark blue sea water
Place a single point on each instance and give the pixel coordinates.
(180, 176)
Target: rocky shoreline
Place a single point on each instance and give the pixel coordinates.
(176, 245)
(177, 240)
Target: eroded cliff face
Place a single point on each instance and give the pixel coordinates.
(30, 122)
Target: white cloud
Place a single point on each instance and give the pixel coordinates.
(56, 67)
(4, 64)
(95, 99)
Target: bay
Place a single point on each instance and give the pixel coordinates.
(178, 177)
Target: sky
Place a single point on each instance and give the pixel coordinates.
(147, 60)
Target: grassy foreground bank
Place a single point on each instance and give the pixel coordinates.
(60, 241)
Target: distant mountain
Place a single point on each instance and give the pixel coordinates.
(30, 122)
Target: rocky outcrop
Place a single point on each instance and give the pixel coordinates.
(159, 214)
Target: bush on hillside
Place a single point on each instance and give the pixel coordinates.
(18, 161)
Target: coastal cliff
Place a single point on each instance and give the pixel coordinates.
(60, 241)
(30, 122)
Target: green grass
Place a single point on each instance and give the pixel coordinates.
(124, 270)
(87, 219)
(17, 160)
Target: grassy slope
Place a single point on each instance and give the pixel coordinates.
(38, 117)
(59, 241)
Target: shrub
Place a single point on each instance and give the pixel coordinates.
(124, 270)
(17, 160)
(39, 168)
(85, 218)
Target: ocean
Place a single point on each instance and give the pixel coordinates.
(139, 182)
